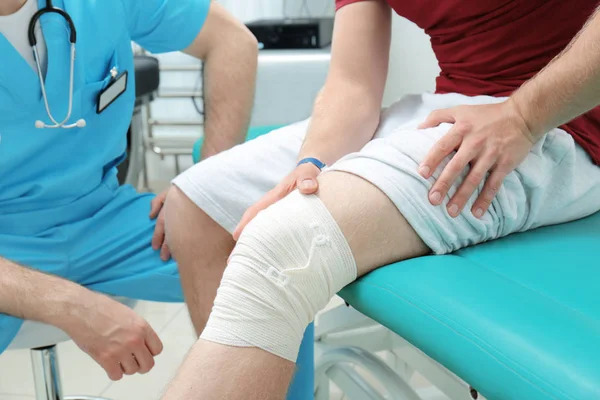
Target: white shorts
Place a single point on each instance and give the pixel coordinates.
(556, 183)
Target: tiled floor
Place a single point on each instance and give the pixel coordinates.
(82, 376)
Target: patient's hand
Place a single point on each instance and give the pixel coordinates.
(156, 212)
(113, 335)
(492, 138)
(303, 177)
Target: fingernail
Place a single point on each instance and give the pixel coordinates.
(478, 213)
(424, 170)
(453, 210)
(307, 184)
(436, 197)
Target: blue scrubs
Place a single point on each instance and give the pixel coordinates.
(61, 208)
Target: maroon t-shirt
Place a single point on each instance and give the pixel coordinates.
(491, 47)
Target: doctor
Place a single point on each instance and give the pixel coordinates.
(67, 230)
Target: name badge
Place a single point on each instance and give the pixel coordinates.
(114, 90)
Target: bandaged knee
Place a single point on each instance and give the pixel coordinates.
(287, 265)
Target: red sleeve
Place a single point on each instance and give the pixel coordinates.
(341, 3)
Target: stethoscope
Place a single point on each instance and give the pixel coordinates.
(33, 43)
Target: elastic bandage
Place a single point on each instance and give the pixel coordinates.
(287, 265)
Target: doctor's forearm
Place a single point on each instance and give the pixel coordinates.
(29, 294)
(229, 83)
(568, 87)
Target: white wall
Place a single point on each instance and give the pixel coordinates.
(413, 68)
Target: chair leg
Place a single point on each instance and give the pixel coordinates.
(331, 363)
(46, 376)
(136, 158)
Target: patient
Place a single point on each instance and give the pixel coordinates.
(486, 156)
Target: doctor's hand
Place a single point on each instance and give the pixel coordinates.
(304, 177)
(491, 139)
(118, 339)
(158, 239)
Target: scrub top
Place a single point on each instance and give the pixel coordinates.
(49, 177)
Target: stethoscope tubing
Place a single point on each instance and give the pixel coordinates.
(73, 40)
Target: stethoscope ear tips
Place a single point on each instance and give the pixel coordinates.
(39, 124)
(81, 123)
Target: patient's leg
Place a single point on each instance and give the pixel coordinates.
(377, 235)
(201, 247)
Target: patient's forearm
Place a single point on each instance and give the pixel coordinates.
(347, 111)
(343, 121)
(568, 87)
(33, 295)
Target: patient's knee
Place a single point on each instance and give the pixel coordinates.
(289, 262)
(184, 220)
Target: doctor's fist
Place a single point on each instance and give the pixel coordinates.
(118, 339)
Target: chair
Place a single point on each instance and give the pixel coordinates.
(147, 81)
(42, 339)
(512, 319)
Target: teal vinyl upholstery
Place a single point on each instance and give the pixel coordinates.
(253, 133)
(517, 318)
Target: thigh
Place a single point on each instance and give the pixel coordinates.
(225, 185)
(548, 187)
(111, 252)
(378, 234)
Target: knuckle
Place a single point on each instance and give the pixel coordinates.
(445, 146)
(494, 151)
(135, 340)
(443, 185)
(489, 194)
(109, 356)
(147, 366)
(141, 327)
(159, 347)
(474, 179)
(478, 141)
(505, 162)
(463, 127)
(476, 176)
(104, 358)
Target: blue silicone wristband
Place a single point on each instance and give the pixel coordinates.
(310, 160)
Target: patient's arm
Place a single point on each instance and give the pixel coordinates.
(568, 87)
(105, 329)
(346, 112)
(230, 55)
